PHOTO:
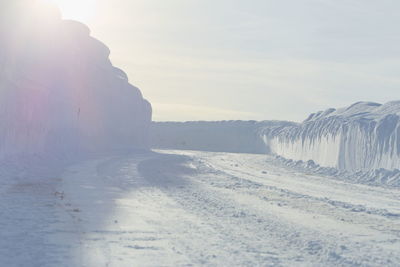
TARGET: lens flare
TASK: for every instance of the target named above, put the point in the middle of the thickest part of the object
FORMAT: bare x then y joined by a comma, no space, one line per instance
80,10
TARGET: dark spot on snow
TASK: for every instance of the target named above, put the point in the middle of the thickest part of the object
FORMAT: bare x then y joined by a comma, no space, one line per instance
141,247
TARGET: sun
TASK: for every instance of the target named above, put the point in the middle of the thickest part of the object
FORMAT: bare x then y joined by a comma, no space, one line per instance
80,10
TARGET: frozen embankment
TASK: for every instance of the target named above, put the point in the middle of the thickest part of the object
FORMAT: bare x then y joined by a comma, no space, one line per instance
359,142
362,137
59,92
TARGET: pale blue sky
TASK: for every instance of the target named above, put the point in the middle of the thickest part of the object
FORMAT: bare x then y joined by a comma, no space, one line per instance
257,59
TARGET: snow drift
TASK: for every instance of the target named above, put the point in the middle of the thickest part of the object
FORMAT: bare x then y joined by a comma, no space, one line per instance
59,92
364,136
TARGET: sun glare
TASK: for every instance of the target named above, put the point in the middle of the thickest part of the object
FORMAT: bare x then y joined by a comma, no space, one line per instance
81,10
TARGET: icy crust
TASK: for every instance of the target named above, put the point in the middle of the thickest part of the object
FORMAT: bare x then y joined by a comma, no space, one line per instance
218,136
362,137
59,92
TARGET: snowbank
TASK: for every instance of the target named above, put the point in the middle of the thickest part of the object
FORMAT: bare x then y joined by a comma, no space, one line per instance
362,137
59,92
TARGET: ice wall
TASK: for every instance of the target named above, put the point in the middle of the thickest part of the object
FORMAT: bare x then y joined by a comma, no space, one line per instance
218,136
361,137
59,92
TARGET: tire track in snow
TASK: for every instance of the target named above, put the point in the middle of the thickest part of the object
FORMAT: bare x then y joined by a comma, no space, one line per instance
332,243
192,208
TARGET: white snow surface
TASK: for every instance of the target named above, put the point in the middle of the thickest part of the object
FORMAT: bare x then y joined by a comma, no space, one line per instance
189,208
59,92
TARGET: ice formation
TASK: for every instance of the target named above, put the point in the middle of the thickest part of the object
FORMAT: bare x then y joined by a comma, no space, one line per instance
218,136
364,136
59,92
360,138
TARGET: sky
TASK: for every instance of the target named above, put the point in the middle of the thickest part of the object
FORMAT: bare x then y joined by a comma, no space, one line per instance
249,60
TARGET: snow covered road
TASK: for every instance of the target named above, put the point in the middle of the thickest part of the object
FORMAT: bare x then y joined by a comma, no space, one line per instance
190,208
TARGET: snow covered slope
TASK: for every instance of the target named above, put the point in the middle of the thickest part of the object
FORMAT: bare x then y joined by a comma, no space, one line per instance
218,136
59,92
364,136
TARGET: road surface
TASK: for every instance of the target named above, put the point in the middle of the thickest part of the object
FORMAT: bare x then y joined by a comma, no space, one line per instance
190,208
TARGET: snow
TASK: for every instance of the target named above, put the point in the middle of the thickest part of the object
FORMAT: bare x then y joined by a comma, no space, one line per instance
362,137
80,187
218,136
359,143
182,208
59,92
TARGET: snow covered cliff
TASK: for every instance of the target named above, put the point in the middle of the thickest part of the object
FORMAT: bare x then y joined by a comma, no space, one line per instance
59,92
364,136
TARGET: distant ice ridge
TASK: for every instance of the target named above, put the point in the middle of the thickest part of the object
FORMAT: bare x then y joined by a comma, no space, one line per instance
215,136
59,92
362,137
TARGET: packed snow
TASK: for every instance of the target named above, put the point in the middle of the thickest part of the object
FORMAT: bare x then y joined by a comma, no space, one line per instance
189,208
